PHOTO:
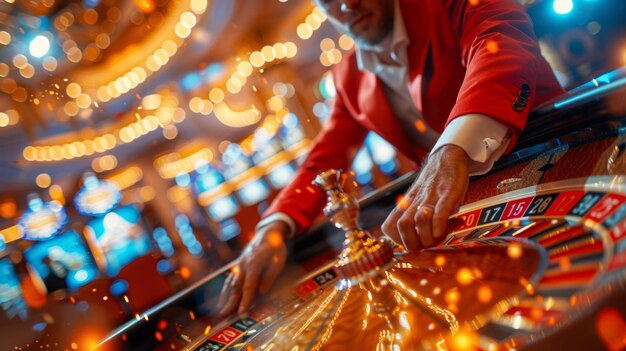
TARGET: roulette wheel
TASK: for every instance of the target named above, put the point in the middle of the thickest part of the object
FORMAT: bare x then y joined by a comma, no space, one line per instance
516,268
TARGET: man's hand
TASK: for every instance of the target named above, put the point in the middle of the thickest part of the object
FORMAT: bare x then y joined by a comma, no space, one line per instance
420,219
256,269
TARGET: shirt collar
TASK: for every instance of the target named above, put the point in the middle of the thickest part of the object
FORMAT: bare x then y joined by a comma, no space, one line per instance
368,57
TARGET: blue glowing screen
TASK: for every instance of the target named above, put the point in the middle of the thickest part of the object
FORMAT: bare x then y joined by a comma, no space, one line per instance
253,192
11,298
222,208
121,237
362,167
67,256
281,176
207,180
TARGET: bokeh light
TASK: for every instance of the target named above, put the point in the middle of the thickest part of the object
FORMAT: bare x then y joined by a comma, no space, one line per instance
43,180
563,7
39,46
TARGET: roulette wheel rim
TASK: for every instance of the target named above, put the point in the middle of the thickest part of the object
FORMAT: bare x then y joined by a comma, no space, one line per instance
595,288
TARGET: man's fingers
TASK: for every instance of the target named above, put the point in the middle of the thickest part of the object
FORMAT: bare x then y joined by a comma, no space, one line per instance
231,292
444,209
271,273
250,286
407,229
224,294
231,304
423,222
390,226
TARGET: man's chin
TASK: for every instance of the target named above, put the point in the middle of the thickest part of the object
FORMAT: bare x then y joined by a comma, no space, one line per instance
365,43
368,38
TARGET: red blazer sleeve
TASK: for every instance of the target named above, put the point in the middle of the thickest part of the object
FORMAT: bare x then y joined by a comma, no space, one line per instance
334,147
502,60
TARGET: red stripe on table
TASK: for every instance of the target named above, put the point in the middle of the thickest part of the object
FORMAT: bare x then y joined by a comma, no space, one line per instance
605,207
563,234
499,229
532,228
581,276
226,335
579,251
564,203
532,312
261,312
618,261
305,288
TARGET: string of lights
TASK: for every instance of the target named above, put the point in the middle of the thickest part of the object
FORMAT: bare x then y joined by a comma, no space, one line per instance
215,103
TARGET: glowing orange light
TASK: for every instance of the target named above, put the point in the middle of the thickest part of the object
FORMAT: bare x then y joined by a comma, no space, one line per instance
402,202
565,264
611,328
158,336
207,330
477,273
474,2
8,210
162,324
420,126
87,339
536,313
275,239
573,300
185,273
465,340
464,276
145,6
526,284
452,296
234,270
192,315
514,251
440,260
492,46
484,294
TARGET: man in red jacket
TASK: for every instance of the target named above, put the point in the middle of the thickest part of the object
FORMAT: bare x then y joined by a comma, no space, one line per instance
455,78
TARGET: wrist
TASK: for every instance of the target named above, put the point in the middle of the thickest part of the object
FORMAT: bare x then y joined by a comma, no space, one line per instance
278,216
276,227
452,153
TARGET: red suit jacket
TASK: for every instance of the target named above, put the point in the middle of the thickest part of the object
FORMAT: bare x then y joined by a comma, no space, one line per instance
463,59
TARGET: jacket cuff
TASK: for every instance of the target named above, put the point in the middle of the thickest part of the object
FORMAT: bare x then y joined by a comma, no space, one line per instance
278,216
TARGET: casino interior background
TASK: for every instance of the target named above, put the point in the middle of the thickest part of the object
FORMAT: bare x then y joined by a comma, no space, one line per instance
142,139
